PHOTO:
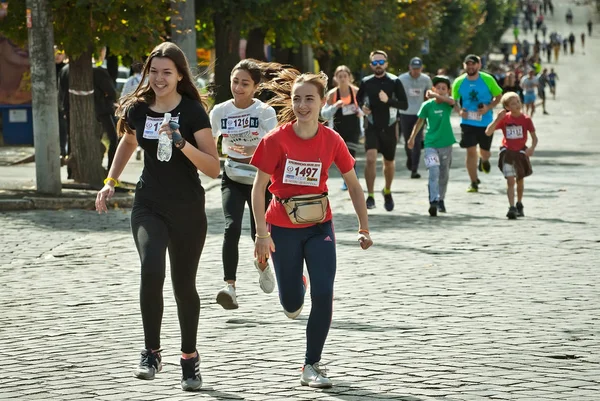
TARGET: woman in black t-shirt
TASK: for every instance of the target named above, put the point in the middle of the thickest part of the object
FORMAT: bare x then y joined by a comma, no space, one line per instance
168,211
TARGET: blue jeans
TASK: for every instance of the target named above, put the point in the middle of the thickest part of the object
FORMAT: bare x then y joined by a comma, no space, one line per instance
316,246
438,162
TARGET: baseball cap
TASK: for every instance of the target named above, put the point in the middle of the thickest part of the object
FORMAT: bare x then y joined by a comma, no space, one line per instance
440,78
473,58
416,62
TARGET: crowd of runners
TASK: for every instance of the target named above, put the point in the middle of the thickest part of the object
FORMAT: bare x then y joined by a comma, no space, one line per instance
278,157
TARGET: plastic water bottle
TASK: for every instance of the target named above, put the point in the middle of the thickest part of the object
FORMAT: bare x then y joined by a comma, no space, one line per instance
165,144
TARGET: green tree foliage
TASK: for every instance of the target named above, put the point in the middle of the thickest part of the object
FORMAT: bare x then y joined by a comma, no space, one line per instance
81,28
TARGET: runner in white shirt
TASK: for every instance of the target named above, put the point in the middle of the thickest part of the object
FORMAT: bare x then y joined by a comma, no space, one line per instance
241,122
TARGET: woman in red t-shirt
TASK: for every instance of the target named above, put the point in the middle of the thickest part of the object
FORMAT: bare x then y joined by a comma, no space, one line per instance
296,157
514,156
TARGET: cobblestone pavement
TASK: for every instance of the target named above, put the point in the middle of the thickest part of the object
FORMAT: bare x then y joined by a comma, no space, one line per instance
467,306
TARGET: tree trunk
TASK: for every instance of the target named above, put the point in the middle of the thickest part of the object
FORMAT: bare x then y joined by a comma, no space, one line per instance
45,98
256,44
183,30
227,52
87,150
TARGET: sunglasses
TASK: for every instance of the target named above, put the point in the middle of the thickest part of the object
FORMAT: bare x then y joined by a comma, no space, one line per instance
378,62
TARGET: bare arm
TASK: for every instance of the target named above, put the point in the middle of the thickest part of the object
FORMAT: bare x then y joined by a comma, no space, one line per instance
358,201
126,147
205,157
489,131
417,127
263,244
534,142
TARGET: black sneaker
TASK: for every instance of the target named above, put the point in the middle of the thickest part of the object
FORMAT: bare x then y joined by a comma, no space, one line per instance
433,209
414,174
486,167
388,202
370,202
150,365
512,213
191,380
441,207
474,187
520,210
478,181
479,166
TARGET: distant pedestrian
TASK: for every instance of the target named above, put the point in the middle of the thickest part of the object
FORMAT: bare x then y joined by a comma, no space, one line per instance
514,153
583,42
542,83
589,26
552,78
572,42
168,211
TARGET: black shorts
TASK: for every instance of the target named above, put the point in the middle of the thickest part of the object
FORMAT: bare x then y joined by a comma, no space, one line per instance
382,139
473,136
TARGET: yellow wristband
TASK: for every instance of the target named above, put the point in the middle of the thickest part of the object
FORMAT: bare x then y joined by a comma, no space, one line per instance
109,179
263,236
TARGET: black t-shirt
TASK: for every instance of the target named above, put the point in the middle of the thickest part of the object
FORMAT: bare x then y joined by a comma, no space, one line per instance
177,179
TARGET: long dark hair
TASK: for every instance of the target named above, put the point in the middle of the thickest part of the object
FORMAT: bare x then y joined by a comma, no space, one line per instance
145,94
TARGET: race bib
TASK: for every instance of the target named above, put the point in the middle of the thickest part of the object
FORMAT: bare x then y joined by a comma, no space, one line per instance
432,160
473,115
302,173
415,92
240,128
349,110
393,113
514,132
153,124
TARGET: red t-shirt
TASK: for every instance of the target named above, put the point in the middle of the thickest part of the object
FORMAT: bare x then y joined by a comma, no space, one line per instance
299,166
515,131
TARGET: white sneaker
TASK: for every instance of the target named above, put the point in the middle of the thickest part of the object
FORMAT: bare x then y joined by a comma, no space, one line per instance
266,279
315,376
226,297
293,315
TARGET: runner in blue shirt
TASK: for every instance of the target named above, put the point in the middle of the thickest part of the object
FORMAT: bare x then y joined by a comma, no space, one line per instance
478,94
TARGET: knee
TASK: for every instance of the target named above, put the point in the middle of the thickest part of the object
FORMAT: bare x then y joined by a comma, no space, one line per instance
233,229
291,302
371,158
185,293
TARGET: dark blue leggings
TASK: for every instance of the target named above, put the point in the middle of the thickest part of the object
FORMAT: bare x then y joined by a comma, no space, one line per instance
316,246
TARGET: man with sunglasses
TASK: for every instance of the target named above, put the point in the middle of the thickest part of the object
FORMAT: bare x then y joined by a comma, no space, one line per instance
381,95
478,94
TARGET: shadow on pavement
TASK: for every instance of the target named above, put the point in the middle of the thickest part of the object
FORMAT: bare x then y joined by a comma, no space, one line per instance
344,391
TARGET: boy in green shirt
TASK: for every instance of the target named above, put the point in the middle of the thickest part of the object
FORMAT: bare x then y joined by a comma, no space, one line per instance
439,139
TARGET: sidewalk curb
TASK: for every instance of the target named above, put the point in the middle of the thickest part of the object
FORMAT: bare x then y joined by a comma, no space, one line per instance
122,201
48,203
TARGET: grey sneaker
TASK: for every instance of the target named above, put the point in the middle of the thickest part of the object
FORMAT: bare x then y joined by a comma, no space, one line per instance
150,365
226,297
315,376
191,380
266,279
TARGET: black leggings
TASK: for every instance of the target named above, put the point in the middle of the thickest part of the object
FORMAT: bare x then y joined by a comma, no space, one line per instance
180,228
234,197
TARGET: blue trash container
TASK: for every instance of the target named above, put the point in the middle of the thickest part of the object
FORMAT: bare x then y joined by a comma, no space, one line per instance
17,124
